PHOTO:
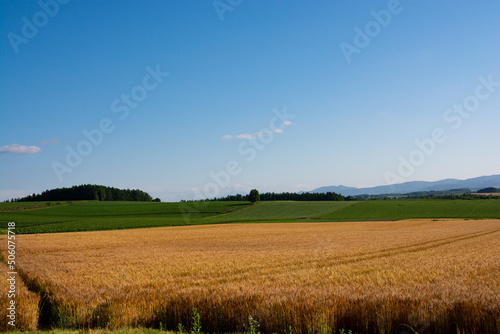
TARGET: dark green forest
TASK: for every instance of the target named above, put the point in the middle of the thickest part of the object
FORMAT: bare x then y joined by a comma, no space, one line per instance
90,192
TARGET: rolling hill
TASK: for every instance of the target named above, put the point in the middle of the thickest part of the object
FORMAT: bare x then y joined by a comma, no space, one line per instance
414,186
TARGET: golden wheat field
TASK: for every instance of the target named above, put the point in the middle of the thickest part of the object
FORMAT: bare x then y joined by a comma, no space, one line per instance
371,277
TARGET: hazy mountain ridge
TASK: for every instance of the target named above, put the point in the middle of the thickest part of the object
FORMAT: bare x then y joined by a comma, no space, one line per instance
415,186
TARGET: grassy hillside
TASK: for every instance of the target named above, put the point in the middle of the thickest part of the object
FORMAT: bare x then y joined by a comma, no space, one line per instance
94,215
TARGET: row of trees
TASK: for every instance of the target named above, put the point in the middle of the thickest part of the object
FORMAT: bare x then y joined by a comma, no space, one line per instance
254,196
489,190
464,197
428,197
88,192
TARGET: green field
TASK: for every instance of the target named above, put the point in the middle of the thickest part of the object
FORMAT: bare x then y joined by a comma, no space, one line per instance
407,209
94,215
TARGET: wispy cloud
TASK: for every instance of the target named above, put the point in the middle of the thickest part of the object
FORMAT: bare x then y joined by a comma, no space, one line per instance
19,149
259,134
50,142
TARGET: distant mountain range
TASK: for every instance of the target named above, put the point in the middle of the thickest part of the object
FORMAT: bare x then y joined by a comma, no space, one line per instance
473,184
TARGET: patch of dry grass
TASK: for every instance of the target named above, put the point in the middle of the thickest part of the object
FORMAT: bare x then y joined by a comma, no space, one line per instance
366,276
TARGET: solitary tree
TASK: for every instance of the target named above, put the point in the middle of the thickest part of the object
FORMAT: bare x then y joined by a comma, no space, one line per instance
254,196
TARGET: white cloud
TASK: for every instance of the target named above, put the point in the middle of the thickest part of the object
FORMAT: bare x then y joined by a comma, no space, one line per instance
19,149
245,136
259,134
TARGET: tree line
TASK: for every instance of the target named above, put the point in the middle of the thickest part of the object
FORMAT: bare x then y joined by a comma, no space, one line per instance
254,196
488,190
469,196
88,192
285,196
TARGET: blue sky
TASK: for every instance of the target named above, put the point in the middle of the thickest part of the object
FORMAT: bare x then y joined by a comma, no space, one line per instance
184,98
